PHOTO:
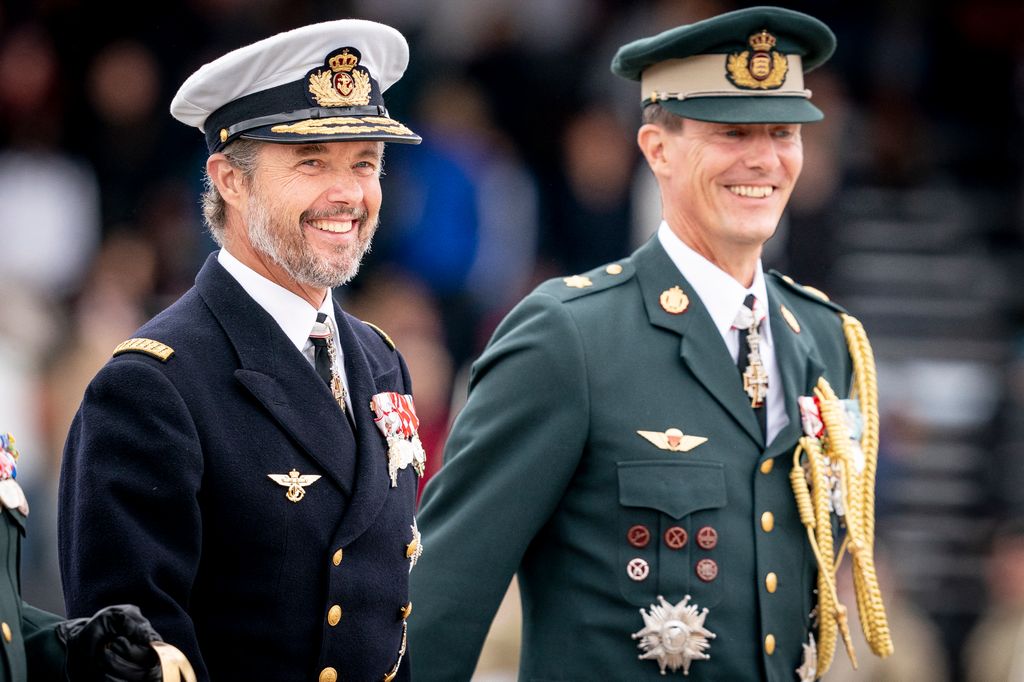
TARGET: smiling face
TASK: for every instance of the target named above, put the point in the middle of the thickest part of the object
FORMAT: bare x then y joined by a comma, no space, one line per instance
724,186
310,212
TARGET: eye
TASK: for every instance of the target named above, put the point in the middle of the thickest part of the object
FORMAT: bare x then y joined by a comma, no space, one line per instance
365,167
311,163
734,132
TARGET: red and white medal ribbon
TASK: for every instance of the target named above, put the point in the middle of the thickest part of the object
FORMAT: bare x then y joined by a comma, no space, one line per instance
395,416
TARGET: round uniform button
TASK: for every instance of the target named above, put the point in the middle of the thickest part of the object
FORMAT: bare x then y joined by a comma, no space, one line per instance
336,559
769,644
7,631
328,675
638,536
675,537
406,611
707,570
707,538
637,569
771,582
767,521
334,615
767,466
614,269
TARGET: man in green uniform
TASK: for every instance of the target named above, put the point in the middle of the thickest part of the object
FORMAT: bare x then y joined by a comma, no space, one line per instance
113,645
629,433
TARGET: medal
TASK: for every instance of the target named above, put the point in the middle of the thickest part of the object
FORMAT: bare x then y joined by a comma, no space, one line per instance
395,416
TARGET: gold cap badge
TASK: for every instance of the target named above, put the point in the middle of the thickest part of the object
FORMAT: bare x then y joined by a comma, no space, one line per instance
345,84
765,69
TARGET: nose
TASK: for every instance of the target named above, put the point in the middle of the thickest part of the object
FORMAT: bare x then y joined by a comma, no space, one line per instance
345,189
762,153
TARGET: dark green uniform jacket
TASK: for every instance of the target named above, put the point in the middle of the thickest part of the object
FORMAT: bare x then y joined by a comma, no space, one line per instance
546,475
28,639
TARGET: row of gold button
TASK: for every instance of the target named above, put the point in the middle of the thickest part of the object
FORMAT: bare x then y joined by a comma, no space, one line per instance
771,581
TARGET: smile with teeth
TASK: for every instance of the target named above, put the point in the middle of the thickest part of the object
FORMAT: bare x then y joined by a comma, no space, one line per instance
335,226
755,191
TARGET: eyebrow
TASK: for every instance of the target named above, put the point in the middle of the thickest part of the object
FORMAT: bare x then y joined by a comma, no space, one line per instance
374,150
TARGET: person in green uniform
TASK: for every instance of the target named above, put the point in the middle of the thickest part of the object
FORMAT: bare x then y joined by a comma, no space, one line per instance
38,646
628,439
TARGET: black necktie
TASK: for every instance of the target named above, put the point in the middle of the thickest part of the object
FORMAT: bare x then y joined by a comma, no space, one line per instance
321,338
751,369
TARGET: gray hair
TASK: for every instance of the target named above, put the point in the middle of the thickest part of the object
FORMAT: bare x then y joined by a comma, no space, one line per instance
660,116
243,155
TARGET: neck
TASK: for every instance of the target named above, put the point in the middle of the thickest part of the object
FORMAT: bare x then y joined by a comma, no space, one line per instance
264,265
739,261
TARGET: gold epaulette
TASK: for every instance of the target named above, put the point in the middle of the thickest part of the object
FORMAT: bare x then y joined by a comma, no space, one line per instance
380,332
160,351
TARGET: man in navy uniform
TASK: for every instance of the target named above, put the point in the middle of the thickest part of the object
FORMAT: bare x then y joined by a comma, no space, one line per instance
629,431
245,468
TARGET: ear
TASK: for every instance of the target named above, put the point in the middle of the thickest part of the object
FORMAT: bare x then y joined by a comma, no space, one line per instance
652,138
228,179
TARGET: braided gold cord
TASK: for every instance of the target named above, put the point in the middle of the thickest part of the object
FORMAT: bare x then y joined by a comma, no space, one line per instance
816,519
869,597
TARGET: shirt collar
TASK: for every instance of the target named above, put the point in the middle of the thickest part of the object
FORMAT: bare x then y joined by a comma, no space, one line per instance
294,314
718,291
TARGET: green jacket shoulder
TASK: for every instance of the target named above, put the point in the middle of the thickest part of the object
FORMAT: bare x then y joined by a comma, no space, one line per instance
599,279
806,292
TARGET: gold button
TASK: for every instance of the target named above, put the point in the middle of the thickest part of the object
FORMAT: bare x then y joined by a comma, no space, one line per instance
390,676
406,611
771,582
767,522
769,644
613,269
336,559
223,134
767,466
328,675
7,631
334,615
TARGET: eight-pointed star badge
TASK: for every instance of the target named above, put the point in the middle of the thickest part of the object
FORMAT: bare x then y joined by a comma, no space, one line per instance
674,636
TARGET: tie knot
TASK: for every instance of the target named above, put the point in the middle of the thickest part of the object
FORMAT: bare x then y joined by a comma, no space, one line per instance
749,315
321,330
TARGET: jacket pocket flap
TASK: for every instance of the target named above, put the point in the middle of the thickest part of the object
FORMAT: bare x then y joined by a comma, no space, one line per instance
675,488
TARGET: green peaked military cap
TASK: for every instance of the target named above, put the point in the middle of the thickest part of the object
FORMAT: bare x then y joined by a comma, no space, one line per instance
745,66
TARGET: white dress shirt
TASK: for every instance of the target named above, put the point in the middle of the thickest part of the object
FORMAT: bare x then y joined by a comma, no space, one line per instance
294,314
723,297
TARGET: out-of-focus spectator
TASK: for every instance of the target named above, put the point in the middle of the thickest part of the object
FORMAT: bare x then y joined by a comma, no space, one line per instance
995,648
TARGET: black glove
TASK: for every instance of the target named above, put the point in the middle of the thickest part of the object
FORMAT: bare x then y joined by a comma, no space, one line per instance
112,646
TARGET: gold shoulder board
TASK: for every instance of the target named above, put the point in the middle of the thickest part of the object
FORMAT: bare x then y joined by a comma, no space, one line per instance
156,349
383,334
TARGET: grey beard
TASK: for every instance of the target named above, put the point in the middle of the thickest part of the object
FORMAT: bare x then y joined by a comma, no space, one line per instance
291,252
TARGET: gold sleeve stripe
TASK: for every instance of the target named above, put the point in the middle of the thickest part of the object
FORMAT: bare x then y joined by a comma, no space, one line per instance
156,349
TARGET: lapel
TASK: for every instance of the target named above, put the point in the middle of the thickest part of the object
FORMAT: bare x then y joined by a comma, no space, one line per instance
798,364
372,482
277,374
702,349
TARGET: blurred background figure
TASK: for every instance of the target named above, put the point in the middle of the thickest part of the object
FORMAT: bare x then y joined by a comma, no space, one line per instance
994,650
910,210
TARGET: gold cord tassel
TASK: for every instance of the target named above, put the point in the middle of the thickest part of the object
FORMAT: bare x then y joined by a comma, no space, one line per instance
857,472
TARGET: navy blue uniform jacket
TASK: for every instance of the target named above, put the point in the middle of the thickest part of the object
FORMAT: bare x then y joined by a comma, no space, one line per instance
165,499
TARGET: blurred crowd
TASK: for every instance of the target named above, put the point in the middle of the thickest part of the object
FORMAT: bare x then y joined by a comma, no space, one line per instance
528,170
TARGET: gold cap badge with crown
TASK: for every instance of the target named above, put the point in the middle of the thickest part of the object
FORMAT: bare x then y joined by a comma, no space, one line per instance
345,85
765,69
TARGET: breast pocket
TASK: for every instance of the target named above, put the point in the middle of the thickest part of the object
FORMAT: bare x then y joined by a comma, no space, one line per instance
665,512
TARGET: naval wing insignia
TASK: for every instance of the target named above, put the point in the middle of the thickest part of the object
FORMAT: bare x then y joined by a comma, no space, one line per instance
295,483
673,439
674,636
